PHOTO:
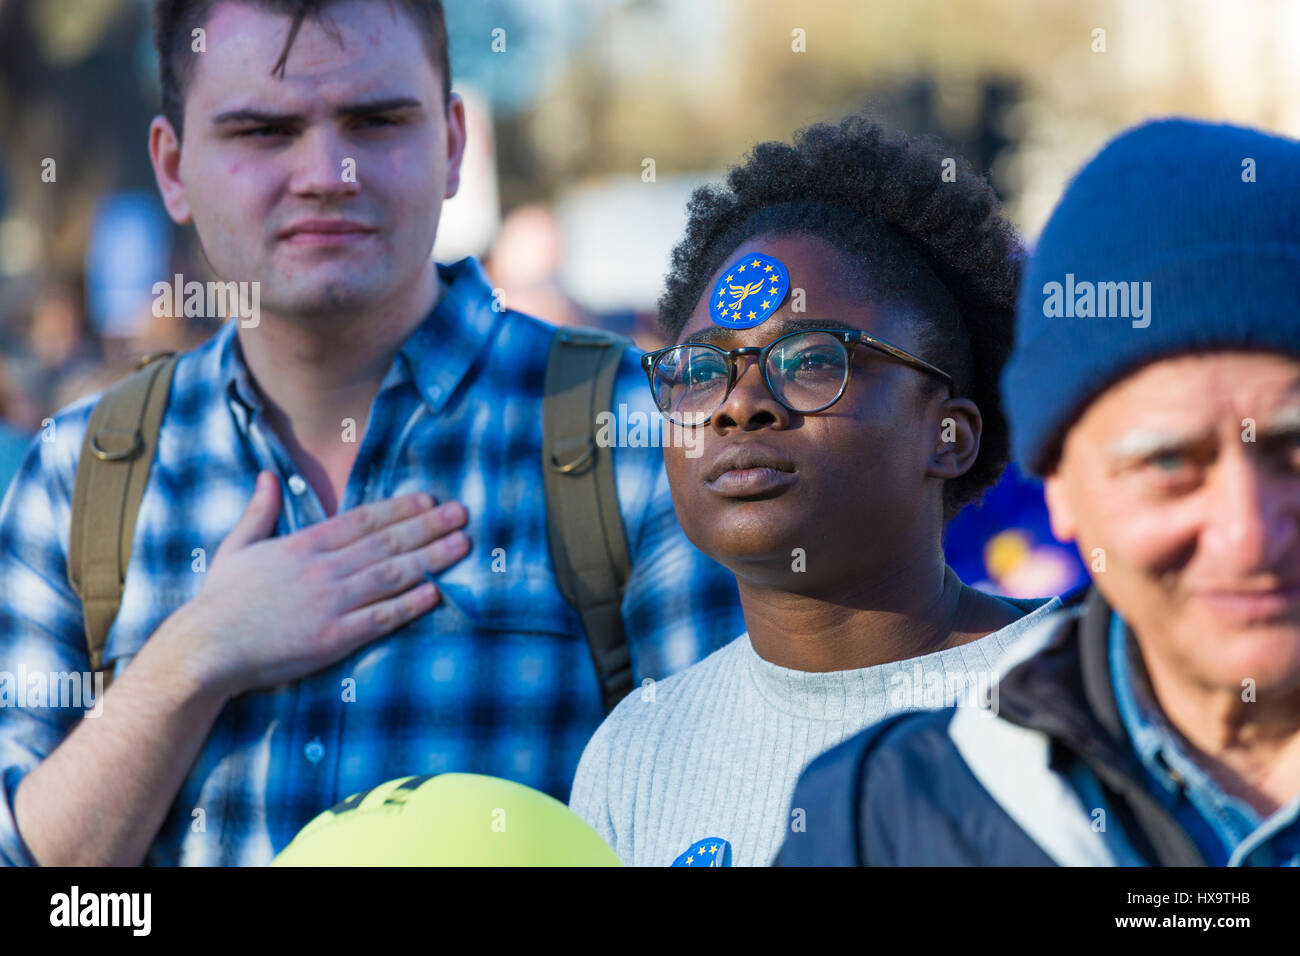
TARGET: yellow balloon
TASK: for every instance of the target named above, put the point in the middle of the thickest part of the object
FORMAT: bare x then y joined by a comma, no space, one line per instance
448,819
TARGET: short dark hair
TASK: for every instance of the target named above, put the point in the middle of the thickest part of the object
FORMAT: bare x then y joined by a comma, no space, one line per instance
881,199
176,20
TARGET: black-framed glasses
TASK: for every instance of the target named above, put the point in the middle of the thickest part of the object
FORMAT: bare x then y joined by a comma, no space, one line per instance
806,371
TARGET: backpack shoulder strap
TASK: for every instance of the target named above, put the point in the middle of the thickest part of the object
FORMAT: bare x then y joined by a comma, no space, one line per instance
584,525
116,456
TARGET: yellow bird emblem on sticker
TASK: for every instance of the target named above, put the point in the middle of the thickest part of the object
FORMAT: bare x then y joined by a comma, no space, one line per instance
743,292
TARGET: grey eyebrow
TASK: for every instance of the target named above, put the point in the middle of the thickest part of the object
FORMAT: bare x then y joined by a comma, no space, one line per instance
1141,444
1147,443
1285,421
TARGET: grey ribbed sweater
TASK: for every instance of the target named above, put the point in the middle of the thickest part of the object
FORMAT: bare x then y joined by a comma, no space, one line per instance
714,752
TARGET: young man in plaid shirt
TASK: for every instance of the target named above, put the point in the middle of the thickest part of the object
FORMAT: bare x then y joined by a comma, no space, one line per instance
316,657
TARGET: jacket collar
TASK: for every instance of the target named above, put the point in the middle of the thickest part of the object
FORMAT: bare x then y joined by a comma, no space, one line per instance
1062,689
435,358
1065,691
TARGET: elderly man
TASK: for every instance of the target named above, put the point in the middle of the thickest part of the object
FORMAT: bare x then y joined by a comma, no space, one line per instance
1155,385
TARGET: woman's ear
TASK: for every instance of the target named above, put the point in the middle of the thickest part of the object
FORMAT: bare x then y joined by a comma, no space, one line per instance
956,424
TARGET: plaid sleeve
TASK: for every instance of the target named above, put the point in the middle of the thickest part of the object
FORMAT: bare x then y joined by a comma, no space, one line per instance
679,606
42,641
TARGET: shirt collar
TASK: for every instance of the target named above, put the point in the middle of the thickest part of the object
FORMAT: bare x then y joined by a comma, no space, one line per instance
445,347
434,358
1161,748
1141,718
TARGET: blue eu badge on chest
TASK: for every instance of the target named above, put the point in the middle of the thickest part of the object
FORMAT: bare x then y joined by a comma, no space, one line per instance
710,852
749,291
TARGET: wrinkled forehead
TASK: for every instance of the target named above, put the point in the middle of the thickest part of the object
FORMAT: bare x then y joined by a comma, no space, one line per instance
356,50
1192,397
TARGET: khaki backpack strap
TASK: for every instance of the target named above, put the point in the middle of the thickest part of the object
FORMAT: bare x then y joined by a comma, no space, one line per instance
116,456
584,525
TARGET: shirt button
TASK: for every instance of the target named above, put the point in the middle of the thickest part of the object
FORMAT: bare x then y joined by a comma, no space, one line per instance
296,484
314,751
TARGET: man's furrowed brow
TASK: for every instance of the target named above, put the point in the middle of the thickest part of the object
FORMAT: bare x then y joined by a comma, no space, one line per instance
251,114
388,104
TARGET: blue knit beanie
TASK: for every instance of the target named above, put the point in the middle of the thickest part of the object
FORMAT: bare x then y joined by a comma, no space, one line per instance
1179,236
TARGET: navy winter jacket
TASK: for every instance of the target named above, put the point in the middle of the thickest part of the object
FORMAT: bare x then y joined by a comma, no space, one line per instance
967,787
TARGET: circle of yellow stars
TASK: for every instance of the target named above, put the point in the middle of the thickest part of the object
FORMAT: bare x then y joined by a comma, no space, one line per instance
776,287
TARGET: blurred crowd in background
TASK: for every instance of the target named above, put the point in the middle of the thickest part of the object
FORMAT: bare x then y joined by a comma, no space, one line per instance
590,122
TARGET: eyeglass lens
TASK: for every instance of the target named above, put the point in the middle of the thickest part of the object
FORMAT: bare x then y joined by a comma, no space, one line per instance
806,372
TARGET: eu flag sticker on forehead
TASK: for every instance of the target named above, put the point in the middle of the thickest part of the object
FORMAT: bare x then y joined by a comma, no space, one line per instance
749,291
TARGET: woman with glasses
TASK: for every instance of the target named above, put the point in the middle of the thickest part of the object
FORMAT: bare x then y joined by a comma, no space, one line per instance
839,315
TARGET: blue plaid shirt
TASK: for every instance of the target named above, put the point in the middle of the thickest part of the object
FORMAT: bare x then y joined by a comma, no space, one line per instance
497,679
1227,831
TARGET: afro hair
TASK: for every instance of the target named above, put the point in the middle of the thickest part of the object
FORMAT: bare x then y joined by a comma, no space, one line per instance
936,243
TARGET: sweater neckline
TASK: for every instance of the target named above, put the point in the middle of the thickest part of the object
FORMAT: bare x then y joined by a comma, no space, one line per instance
839,695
